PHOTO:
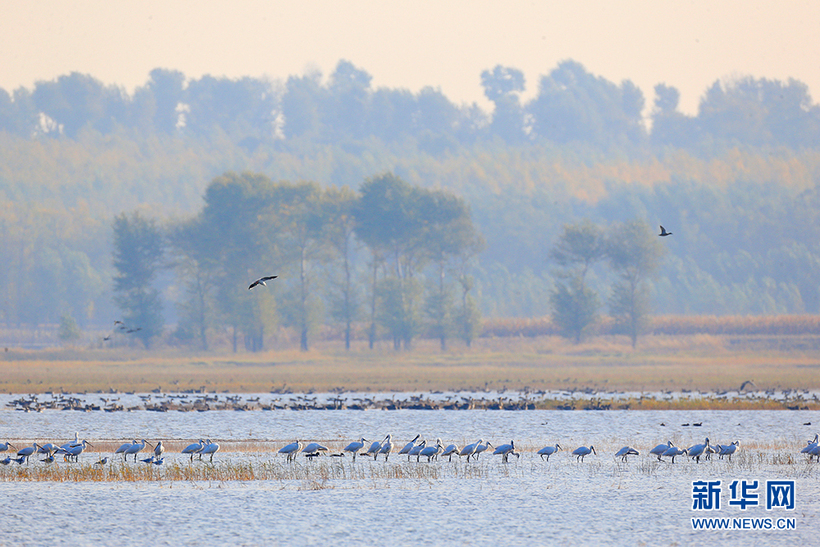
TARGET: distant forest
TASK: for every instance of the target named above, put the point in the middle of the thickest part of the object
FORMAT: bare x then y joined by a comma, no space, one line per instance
737,183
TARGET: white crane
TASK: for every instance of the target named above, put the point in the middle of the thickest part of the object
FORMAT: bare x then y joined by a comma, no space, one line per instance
354,447
290,450
582,451
505,450
125,446
26,452
449,451
210,448
660,449
409,446
135,449
469,450
548,451
73,452
481,448
387,446
159,449
431,451
727,449
626,451
193,448
374,449
673,451
697,450
416,450
5,446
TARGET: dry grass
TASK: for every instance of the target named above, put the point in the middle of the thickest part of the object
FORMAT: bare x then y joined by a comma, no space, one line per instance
606,363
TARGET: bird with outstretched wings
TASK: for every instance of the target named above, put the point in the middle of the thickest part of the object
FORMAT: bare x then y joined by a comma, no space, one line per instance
261,281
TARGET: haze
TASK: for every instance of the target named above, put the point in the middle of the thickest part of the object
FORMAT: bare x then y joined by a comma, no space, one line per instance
688,45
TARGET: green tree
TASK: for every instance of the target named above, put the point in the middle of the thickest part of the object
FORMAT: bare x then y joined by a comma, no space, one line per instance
574,305
138,256
468,317
338,206
69,329
634,252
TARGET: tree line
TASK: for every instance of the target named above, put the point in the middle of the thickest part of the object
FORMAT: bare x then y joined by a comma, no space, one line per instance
571,106
393,255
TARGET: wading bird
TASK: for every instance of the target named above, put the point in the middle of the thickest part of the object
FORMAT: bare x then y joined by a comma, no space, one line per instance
727,449
416,450
354,447
481,448
548,451
193,449
449,451
469,450
697,450
660,449
387,446
210,448
374,449
409,446
261,281
431,451
291,450
626,451
125,446
26,452
135,448
159,449
5,446
582,451
505,450
673,451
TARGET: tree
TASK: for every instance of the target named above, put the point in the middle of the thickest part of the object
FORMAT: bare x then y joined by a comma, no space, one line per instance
502,87
574,304
138,256
574,307
338,206
634,252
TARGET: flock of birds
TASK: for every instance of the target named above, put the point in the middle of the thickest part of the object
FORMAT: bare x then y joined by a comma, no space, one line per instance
420,449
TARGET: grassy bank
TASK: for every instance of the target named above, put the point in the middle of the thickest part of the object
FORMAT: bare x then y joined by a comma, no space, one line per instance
661,362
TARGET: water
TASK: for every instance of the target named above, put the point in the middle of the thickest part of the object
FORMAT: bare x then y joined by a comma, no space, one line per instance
525,502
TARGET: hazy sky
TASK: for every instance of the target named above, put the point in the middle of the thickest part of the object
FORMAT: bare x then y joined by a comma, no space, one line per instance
445,44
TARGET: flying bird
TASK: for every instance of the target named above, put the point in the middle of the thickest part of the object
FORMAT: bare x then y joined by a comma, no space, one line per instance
664,233
261,281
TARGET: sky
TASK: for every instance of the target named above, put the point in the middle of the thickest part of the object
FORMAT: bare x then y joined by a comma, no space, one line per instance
412,44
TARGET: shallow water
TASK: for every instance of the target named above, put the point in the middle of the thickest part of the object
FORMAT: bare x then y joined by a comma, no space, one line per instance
527,501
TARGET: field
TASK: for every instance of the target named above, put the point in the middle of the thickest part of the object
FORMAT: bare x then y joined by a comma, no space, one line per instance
703,362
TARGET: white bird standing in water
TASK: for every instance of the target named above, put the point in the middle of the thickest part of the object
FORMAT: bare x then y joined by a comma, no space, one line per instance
416,450
291,450
409,446
548,451
387,446
210,448
449,451
697,450
505,450
626,451
136,448
481,448
727,449
354,447
582,451
660,449
673,451
431,451
193,448
469,450
159,449
5,446
374,449
24,453
125,446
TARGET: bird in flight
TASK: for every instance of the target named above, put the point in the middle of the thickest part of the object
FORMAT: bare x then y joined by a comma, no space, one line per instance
261,281
664,232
